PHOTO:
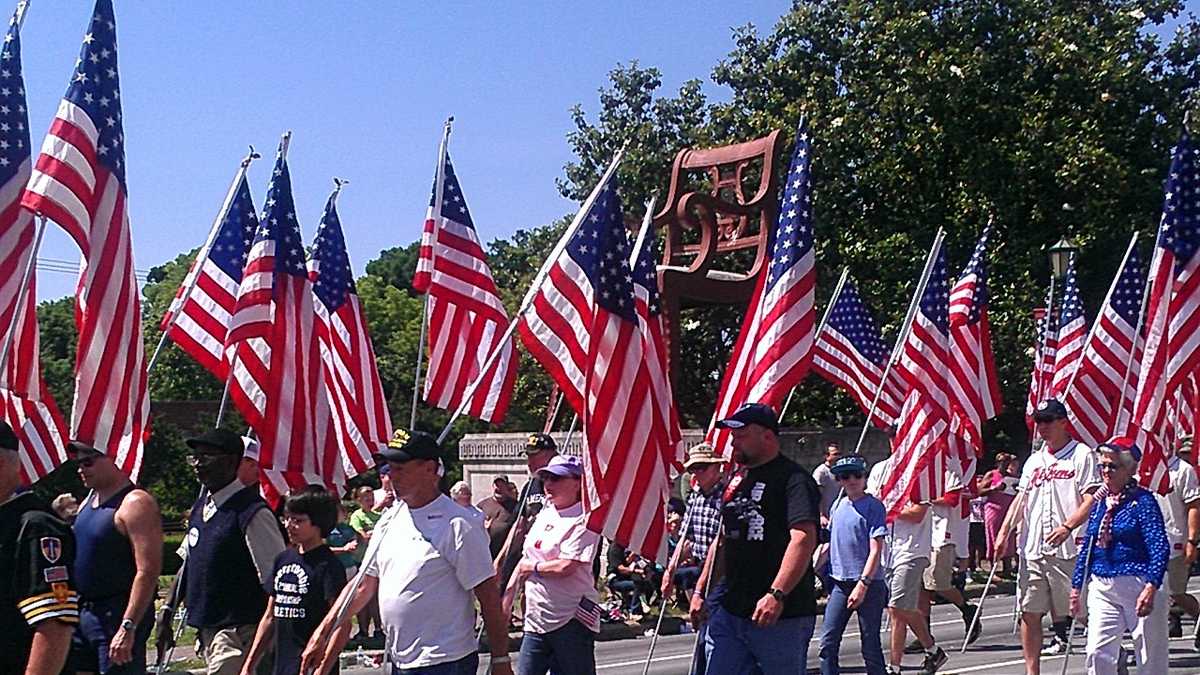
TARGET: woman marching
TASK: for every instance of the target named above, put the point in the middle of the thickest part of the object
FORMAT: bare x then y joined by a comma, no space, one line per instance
1126,557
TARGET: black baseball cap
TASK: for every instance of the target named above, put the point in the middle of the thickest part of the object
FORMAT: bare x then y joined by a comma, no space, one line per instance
77,448
1050,410
417,445
8,438
752,413
224,441
539,442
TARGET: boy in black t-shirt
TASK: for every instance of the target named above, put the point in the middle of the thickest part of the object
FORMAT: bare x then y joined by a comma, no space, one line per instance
307,580
770,516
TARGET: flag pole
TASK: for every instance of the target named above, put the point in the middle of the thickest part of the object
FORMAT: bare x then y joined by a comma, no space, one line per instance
10,334
230,195
837,292
644,230
19,16
543,272
903,336
439,180
1037,364
1137,335
1107,297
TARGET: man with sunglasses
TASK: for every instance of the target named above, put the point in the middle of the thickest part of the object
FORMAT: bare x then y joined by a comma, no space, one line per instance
118,557
857,526
232,541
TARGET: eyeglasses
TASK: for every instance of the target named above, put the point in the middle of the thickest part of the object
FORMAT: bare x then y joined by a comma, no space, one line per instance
1108,466
849,476
197,458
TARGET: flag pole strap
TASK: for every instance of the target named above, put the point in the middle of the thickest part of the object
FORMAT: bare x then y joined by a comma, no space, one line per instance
903,336
439,186
543,272
837,293
10,335
205,249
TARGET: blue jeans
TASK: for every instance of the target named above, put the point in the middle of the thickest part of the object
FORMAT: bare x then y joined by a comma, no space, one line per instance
98,623
735,645
629,592
467,665
870,616
569,650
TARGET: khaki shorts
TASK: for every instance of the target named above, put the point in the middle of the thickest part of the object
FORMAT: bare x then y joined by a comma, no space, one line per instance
225,649
905,586
1177,575
1048,586
938,576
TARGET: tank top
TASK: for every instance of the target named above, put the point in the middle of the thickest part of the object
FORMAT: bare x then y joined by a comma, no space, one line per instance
104,564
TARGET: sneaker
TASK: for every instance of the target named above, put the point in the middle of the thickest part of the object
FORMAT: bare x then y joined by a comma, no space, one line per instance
1058,647
892,670
1196,638
1176,629
934,660
914,647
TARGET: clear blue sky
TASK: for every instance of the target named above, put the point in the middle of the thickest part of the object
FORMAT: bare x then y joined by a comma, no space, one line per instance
365,87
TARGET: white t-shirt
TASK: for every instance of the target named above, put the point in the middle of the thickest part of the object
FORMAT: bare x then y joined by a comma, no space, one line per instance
1185,488
945,520
551,602
1054,484
874,487
429,561
911,540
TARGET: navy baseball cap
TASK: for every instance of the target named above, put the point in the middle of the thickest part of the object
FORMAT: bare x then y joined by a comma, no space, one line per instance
79,448
227,442
539,442
1050,410
851,464
752,413
1122,444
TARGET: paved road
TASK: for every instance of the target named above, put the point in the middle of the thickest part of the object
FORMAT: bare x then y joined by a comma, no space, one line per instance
998,650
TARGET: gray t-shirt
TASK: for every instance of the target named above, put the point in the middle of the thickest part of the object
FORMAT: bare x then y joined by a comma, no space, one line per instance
828,484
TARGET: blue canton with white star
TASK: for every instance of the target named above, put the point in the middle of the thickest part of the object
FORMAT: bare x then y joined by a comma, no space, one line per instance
601,249
852,319
232,243
14,118
645,272
1126,298
793,237
1071,305
95,87
977,265
1180,230
935,301
454,205
335,282
279,222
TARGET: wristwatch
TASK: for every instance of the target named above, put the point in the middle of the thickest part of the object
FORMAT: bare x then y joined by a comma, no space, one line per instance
865,581
128,625
776,593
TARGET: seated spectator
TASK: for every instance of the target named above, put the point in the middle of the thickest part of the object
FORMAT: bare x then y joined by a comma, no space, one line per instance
632,578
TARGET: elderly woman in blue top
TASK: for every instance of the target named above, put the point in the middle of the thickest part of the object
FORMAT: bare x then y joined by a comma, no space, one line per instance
1126,557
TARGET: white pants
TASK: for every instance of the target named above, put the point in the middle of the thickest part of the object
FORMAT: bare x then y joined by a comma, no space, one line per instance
1112,610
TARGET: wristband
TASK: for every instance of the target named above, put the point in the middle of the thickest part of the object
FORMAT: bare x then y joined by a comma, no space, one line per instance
501,659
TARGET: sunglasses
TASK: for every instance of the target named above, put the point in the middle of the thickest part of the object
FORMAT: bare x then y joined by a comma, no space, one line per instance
849,476
86,462
1108,466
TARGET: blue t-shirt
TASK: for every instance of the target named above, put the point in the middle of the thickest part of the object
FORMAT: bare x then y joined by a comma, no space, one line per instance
852,526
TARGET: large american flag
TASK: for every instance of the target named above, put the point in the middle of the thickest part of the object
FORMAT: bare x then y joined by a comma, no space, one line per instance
465,314
26,404
774,348
277,380
916,468
583,324
360,414
974,385
850,353
78,182
1173,316
198,323
1044,344
1072,332
654,344
1104,384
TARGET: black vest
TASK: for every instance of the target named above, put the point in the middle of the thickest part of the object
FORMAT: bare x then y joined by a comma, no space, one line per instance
223,587
104,564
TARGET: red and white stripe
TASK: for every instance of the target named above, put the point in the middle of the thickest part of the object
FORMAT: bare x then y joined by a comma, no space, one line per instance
974,384
1045,342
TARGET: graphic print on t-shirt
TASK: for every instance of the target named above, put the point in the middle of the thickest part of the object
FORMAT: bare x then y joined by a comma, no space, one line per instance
291,585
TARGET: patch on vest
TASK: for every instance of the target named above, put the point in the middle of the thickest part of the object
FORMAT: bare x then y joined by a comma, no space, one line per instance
193,537
58,573
51,549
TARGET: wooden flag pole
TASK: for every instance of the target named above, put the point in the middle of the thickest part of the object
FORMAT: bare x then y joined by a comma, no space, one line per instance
837,292
230,195
439,186
543,272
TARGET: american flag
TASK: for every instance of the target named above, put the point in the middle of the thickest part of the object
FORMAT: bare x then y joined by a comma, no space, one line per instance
916,468
1104,384
974,385
774,348
584,321
277,381
466,316
27,405
654,344
1173,316
1072,332
360,415
199,322
1045,342
78,182
850,353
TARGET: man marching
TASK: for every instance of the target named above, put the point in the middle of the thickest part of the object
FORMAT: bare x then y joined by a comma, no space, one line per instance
1057,480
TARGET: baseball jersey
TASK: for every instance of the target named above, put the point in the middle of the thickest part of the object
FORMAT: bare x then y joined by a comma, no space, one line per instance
1054,484
1185,489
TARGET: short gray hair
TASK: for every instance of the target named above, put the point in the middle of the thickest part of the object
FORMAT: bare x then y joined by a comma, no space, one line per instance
1124,457
459,488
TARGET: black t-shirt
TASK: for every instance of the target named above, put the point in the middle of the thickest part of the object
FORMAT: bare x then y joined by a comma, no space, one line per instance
37,554
769,501
534,494
304,586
